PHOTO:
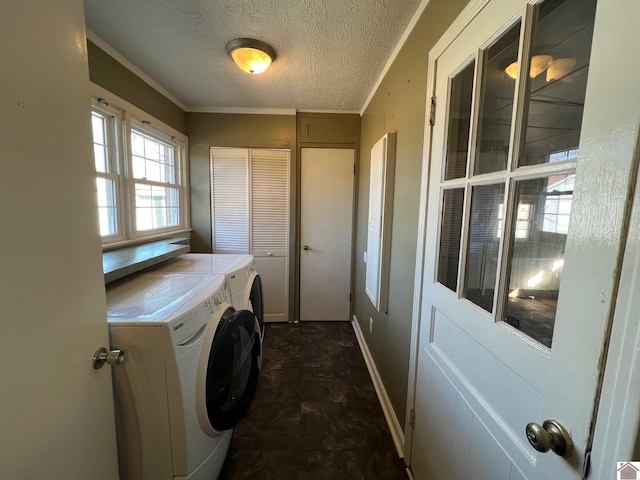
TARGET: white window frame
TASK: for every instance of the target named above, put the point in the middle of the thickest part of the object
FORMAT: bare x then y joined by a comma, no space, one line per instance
129,116
114,142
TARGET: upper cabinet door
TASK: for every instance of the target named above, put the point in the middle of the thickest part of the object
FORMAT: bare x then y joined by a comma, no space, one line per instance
328,129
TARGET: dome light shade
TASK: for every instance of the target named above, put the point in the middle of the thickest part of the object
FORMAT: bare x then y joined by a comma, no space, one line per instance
559,68
252,56
539,64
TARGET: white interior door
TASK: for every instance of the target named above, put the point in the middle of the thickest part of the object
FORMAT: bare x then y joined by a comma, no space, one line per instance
56,411
325,233
516,299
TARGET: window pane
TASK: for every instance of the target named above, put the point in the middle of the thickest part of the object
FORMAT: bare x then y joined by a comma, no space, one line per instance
173,217
450,230
482,252
151,149
107,206
168,174
153,171
496,106
107,218
139,167
156,207
557,203
536,266
143,195
166,154
459,123
137,144
152,159
98,127
556,89
144,219
100,156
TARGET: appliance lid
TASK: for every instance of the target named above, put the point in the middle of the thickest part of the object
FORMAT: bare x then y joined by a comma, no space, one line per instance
156,298
206,263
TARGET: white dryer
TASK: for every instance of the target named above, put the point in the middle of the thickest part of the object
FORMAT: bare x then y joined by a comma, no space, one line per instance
189,375
244,281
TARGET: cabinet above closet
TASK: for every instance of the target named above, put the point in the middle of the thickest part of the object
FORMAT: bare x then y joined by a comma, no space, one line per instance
328,128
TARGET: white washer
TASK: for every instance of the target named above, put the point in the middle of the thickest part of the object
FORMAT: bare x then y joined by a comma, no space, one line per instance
244,281
189,375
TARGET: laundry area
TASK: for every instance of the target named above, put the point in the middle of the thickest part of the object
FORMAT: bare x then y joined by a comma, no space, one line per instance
320,240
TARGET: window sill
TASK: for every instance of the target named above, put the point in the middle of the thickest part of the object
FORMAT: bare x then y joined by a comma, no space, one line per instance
125,261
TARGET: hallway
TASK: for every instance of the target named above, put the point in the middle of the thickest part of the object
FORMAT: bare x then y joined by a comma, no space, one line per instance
316,414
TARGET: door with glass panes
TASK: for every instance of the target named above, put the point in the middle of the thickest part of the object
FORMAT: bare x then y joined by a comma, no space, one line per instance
524,226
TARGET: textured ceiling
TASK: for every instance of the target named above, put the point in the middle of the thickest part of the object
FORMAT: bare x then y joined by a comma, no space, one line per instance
330,53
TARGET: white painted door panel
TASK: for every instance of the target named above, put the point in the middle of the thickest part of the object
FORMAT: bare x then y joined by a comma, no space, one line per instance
56,411
326,226
275,287
479,381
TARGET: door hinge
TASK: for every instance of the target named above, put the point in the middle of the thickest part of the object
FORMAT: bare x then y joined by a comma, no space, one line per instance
432,112
349,298
412,417
354,168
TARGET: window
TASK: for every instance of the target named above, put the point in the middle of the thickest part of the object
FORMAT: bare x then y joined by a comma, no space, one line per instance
523,221
157,204
557,204
140,173
503,169
104,123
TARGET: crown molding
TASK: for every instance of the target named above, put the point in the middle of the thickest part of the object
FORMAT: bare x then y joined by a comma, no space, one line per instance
243,110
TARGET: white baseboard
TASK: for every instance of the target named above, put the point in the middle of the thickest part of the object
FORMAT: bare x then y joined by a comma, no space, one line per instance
389,414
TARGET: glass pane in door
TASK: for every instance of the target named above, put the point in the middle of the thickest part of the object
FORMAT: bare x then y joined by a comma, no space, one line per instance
535,262
450,229
459,123
487,204
558,79
496,106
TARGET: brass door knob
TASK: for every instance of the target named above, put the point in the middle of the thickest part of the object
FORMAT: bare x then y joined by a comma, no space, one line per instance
550,436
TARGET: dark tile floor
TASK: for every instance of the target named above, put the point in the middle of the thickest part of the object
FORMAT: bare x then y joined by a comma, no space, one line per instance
316,414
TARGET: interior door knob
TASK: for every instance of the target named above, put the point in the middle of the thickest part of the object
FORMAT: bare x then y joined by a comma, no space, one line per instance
102,356
550,436
306,247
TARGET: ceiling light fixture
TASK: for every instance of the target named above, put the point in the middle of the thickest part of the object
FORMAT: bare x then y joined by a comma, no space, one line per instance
559,68
539,64
252,56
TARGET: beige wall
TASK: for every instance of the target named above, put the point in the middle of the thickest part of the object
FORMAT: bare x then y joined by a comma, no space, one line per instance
115,77
229,130
398,106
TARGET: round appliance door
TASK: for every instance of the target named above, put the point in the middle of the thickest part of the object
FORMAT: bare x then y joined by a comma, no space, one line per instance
255,301
232,372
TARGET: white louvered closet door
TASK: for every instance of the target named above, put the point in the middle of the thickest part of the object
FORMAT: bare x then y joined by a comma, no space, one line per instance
250,209
270,227
230,200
